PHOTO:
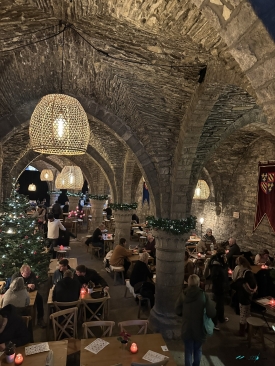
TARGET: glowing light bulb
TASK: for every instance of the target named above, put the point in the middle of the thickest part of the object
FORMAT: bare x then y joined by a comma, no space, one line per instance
59,127
46,175
198,192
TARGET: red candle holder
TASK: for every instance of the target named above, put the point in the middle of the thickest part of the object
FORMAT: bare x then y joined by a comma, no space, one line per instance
272,302
133,348
199,255
18,359
61,247
230,271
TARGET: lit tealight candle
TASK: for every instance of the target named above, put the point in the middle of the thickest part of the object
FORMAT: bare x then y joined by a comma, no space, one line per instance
18,359
61,247
199,254
272,302
133,348
263,267
229,271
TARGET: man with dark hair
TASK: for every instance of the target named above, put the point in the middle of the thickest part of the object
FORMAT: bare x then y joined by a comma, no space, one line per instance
59,273
234,249
84,275
67,289
53,232
57,210
120,256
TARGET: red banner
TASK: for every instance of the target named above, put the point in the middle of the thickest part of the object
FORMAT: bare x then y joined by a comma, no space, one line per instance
266,195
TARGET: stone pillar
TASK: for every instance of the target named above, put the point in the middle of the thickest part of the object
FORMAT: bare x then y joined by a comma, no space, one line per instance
96,212
73,203
53,198
122,224
169,279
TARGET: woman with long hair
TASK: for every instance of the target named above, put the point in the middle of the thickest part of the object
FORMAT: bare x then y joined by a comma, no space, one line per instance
17,294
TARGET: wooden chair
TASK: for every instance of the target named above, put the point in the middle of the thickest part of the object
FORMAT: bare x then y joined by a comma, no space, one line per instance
142,324
159,363
99,308
63,322
106,327
140,299
116,270
65,305
256,325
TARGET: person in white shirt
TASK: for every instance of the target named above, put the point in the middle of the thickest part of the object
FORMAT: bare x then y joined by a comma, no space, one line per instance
53,232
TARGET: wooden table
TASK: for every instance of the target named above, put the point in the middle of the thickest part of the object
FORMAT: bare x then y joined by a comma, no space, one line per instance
108,242
54,265
59,349
135,257
255,269
113,353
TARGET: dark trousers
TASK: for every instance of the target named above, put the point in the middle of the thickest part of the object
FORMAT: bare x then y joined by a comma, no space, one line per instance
219,298
126,266
39,306
51,244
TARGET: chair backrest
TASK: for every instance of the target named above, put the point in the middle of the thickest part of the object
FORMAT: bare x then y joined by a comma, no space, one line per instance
65,323
142,324
91,313
159,363
106,327
65,305
26,320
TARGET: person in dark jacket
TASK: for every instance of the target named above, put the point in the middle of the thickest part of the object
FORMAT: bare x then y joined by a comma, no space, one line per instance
63,267
109,212
246,287
12,328
96,238
190,306
67,289
84,275
31,284
65,208
220,285
57,210
234,249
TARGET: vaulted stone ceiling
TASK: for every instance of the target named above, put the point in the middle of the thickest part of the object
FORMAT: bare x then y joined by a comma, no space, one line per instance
136,64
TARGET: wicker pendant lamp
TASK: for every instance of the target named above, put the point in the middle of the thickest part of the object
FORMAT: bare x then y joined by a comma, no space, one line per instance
32,187
59,182
73,178
46,175
59,125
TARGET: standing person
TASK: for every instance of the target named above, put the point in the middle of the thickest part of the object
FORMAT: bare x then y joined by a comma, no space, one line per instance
53,232
109,212
96,238
190,306
120,256
57,210
234,249
246,287
219,276
66,207
206,241
30,282
67,289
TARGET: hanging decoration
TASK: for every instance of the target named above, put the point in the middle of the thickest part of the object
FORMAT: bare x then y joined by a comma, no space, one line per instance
59,182
59,125
176,227
46,175
123,206
72,177
202,190
32,187
99,197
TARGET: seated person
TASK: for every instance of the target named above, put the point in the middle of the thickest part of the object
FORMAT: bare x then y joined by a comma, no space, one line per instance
205,242
262,258
150,245
67,289
85,275
135,218
59,273
120,256
188,266
96,238
109,212
12,328
141,278
30,281
16,295
234,249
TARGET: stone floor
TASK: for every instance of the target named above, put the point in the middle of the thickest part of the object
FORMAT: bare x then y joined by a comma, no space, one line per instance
220,350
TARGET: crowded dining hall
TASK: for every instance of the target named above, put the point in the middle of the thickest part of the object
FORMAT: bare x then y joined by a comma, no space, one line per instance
137,182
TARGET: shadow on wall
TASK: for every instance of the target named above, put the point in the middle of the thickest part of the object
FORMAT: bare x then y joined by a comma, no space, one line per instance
265,10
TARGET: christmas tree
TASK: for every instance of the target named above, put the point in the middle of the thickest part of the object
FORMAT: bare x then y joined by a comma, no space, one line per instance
20,241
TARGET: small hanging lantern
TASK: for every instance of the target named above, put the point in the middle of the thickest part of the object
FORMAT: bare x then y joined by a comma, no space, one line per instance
32,187
73,177
59,125
46,175
59,182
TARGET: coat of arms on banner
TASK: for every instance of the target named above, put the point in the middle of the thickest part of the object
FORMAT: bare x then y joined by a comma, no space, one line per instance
267,182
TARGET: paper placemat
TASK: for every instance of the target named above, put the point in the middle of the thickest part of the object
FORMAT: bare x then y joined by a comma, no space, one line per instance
97,345
37,348
152,356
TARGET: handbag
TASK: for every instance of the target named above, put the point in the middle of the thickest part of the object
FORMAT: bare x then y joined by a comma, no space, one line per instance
208,324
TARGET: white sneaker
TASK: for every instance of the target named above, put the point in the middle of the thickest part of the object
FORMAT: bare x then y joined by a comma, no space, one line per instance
216,328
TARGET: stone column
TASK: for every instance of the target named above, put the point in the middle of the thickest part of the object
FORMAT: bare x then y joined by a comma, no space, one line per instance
96,212
53,198
169,279
73,203
122,224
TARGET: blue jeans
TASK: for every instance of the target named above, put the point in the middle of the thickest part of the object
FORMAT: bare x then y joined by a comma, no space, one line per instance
192,350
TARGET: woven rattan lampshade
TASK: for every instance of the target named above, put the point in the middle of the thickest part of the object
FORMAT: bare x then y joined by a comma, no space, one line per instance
46,175
32,187
59,125
73,178
59,182
202,190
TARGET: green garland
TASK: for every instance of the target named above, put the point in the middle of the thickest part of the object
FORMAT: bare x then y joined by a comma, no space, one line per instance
70,194
176,227
123,206
54,192
99,197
